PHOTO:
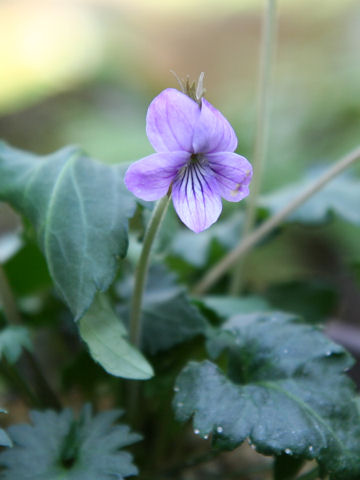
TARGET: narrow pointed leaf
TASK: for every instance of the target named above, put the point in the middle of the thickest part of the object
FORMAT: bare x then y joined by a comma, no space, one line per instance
107,340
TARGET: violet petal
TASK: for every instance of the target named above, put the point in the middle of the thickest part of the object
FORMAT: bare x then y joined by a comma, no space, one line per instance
150,177
170,121
213,133
195,197
233,174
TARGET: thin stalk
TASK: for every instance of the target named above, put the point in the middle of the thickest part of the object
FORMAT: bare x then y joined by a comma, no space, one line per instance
143,266
251,240
262,127
46,395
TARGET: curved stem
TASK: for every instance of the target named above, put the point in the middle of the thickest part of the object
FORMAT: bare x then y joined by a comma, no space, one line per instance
143,266
251,240
262,127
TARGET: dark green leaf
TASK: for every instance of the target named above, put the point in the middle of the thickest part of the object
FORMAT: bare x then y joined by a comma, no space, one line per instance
58,447
13,340
341,197
106,337
285,390
168,316
79,209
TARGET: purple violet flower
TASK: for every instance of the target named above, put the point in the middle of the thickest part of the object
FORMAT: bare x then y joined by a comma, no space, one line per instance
195,157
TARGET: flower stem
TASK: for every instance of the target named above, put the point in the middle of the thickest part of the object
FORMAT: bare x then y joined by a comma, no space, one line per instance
45,394
143,266
253,238
262,127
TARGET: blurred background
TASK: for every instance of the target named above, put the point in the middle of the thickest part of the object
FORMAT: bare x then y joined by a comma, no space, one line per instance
83,72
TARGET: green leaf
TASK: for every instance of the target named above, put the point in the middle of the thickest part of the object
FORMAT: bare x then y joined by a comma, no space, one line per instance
13,340
168,316
106,338
5,440
340,197
79,208
58,447
285,390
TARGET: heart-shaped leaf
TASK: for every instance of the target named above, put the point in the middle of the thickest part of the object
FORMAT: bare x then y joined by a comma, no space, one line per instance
79,208
284,389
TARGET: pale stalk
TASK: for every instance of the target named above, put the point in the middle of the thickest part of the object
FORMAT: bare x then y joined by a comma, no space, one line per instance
262,128
252,239
143,266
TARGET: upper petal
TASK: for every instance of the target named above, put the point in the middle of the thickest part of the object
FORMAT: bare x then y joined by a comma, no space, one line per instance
213,133
195,198
233,174
151,177
170,121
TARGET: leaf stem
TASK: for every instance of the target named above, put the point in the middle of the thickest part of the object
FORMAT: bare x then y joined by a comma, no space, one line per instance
262,127
143,266
261,232
44,391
